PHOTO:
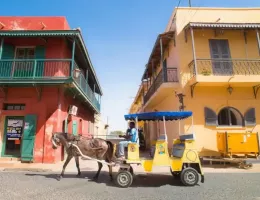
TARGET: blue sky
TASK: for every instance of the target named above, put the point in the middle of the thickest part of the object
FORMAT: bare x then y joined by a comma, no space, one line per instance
119,34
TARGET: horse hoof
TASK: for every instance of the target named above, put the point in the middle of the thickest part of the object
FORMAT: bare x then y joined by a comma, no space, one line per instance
59,178
78,175
95,178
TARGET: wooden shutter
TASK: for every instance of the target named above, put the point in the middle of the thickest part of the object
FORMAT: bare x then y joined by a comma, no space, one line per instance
164,68
75,127
219,49
6,67
210,117
40,54
250,119
28,140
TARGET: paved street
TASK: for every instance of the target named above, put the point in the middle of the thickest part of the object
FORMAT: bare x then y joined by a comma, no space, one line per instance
20,185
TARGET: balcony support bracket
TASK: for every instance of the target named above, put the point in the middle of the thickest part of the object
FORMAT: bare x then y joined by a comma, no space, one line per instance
255,89
4,90
192,88
38,91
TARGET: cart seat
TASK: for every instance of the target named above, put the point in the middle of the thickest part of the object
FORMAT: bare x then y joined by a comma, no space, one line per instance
133,151
185,137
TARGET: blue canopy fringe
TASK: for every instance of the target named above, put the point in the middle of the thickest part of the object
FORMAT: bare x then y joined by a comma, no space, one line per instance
152,116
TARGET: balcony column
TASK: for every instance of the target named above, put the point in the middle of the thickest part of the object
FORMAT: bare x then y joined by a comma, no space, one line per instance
1,47
163,70
73,55
153,70
193,51
87,75
153,74
147,80
86,80
258,40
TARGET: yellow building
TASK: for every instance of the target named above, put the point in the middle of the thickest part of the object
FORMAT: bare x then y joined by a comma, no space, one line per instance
207,61
137,104
138,101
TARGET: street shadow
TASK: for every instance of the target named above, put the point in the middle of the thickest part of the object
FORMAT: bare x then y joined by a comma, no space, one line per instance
140,180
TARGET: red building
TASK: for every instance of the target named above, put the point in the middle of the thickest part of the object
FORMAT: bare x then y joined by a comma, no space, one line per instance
45,73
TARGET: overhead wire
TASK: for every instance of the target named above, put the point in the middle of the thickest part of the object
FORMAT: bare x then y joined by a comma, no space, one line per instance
196,10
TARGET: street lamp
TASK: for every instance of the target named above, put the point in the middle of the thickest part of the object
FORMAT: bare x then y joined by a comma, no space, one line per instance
230,89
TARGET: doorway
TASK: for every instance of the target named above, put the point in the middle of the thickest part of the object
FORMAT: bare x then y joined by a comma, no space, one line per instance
13,131
24,68
220,57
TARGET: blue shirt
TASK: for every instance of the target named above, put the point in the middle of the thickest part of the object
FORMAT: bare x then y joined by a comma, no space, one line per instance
134,135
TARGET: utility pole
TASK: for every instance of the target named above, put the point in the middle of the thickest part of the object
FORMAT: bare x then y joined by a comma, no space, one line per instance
189,3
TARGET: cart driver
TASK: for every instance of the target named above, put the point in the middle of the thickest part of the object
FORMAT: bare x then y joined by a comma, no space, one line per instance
130,137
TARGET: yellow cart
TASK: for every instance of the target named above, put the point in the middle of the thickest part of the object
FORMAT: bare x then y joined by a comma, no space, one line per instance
183,161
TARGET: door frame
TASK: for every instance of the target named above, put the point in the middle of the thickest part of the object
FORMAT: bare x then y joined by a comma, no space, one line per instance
15,55
5,133
221,63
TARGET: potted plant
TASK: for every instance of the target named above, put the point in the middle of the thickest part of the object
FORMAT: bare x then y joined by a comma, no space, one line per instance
205,72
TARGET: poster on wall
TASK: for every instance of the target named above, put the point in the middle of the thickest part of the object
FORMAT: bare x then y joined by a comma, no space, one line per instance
14,129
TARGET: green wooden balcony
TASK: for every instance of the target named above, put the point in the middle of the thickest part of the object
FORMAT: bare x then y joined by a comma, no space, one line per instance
46,71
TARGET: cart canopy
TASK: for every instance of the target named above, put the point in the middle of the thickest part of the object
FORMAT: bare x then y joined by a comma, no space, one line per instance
153,116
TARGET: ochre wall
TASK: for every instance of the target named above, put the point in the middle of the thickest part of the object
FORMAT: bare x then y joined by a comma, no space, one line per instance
213,97
217,98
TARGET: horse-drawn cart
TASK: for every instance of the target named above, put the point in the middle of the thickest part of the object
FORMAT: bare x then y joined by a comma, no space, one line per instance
183,161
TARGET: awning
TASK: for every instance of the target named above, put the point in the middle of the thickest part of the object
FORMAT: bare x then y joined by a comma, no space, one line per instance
152,116
155,56
55,33
223,25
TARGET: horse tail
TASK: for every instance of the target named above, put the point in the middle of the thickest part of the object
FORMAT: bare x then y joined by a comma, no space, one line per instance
110,153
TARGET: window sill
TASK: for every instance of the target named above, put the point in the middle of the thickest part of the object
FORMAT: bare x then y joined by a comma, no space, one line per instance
231,128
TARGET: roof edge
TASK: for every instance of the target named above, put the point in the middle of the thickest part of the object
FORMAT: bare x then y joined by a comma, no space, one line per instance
217,8
156,41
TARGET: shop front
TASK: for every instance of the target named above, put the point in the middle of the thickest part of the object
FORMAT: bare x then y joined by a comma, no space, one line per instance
13,131
19,137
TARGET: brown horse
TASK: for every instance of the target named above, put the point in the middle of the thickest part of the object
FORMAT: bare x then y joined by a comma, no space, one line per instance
95,148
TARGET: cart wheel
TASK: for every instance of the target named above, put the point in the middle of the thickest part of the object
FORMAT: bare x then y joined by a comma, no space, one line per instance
175,174
189,176
124,179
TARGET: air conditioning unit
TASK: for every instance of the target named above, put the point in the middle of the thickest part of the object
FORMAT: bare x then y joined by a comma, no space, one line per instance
73,110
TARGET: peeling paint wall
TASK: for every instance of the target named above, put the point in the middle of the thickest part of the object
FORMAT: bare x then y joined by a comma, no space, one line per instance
34,23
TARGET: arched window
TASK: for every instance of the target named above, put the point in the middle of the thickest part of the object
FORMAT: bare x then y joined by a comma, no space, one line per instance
229,116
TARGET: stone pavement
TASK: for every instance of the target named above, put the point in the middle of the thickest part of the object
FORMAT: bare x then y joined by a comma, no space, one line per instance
87,165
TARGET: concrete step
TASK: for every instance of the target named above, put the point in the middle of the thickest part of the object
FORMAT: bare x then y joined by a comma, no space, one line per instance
4,159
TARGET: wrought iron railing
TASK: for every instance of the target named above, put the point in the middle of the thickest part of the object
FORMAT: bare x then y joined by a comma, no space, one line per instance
225,67
34,68
171,75
84,86
45,69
